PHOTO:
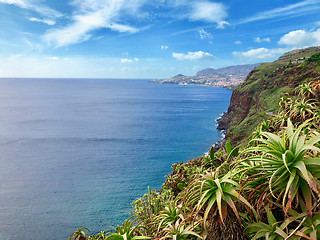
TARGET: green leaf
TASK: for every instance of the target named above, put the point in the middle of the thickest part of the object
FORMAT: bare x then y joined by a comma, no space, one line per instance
307,195
304,173
211,153
234,152
228,147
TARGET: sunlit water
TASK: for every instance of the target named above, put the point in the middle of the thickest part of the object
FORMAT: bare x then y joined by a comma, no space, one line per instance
78,152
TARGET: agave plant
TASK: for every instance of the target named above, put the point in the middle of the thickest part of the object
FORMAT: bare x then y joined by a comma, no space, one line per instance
305,90
316,86
285,101
215,191
271,230
99,236
311,226
180,231
262,127
126,231
302,109
170,214
80,234
284,163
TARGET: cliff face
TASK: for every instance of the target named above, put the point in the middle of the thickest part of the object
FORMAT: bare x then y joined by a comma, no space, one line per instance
257,97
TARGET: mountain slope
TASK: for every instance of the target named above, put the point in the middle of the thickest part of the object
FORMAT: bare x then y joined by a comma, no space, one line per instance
257,97
238,69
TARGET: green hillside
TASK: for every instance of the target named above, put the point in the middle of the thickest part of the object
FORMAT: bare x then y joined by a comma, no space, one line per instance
257,98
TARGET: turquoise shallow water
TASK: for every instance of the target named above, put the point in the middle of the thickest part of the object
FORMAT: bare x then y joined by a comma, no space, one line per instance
77,152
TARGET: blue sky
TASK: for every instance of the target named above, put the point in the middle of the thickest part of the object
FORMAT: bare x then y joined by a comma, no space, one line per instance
148,38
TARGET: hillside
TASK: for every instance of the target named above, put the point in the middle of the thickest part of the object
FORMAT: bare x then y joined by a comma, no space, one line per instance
228,77
257,97
238,69
265,188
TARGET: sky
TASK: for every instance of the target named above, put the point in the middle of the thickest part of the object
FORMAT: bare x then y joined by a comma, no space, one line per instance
148,38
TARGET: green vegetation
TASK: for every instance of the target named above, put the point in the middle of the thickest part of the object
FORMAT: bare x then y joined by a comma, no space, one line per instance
314,58
267,188
256,99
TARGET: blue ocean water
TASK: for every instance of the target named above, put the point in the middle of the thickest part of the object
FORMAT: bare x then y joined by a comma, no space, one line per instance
77,152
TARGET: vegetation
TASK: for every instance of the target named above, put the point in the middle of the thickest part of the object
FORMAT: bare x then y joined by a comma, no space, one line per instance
256,98
269,188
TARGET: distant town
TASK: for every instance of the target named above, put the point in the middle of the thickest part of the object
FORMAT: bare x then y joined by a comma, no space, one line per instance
228,77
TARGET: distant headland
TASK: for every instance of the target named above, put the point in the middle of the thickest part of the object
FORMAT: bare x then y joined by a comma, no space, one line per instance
228,77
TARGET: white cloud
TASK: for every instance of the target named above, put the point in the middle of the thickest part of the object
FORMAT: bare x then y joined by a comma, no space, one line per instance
238,42
122,28
128,60
200,55
19,3
92,15
164,47
72,34
291,10
46,21
301,38
260,40
209,12
293,39
221,24
54,58
35,6
261,54
204,34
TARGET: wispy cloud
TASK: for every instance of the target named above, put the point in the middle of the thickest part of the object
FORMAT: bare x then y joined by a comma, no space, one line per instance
128,60
260,40
191,56
291,10
46,21
164,47
122,28
238,42
89,16
35,6
204,34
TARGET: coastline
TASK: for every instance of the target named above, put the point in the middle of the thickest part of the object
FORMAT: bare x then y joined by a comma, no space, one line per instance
229,87
217,145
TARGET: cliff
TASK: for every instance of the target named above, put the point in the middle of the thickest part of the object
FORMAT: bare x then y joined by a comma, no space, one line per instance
257,97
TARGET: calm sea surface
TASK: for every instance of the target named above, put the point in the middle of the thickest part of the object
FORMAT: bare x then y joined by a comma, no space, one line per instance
77,152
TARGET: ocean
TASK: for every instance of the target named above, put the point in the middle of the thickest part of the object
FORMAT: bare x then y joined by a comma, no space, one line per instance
77,152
